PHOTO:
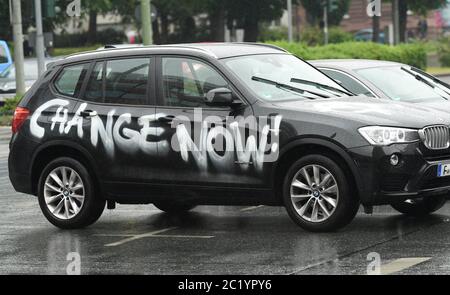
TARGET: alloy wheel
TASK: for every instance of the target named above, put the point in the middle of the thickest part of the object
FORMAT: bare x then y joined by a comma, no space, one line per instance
64,192
314,193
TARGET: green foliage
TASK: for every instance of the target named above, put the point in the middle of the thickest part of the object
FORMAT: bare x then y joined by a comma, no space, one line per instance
108,36
273,34
314,9
444,51
422,7
72,50
315,36
10,105
411,54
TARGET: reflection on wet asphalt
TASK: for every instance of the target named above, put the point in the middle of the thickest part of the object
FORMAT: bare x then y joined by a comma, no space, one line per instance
213,240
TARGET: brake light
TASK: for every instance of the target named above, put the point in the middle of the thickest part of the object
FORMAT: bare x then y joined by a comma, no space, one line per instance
20,115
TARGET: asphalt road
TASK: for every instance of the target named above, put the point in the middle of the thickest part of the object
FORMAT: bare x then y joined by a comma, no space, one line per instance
215,240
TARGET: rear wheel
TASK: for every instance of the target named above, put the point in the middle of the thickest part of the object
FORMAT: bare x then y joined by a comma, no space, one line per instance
317,194
421,206
67,196
174,207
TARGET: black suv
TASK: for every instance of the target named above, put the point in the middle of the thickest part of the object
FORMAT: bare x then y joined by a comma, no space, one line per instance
220,124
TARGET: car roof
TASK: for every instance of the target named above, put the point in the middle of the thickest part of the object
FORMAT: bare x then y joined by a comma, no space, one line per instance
352,64
212,50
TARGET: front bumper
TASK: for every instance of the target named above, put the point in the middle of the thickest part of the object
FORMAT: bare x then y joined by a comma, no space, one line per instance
414,177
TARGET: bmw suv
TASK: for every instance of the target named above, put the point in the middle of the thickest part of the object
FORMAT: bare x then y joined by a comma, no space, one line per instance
220,124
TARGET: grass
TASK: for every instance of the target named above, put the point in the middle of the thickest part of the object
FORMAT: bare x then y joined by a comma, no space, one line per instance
71,50
5,120
439,70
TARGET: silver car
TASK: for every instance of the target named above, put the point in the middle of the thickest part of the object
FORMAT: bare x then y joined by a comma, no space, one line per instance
8,77
387,80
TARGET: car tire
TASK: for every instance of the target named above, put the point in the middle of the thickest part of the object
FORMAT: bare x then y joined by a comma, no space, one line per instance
302,196
67,195
421,206
174,207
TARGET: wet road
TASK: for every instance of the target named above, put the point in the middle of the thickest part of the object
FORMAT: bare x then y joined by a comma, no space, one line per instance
215,240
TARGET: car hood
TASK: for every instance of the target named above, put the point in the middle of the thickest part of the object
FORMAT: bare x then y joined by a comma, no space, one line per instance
371,111
437,104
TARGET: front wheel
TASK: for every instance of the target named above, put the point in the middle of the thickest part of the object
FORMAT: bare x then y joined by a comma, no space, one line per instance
421,206
317,194
67,196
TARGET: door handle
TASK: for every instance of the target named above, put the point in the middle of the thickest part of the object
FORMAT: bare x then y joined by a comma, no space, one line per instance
88,114
166,119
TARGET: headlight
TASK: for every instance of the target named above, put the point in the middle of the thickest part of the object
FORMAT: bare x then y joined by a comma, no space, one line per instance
378,135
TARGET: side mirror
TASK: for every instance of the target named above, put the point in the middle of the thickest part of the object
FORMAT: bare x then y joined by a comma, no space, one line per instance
219,96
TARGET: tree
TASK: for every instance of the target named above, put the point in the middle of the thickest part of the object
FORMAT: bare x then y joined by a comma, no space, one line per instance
217,16
418,6
248,14
314,9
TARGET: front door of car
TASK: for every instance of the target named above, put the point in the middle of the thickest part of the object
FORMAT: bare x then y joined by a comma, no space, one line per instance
201,139
117,119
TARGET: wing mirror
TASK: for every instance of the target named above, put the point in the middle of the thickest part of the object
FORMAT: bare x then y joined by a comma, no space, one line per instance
220,97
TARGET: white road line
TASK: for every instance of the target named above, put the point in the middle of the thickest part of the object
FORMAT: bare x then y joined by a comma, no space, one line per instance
251,208
136,237
153,234
401,264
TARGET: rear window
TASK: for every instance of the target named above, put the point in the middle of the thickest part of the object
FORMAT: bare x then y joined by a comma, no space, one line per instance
126,81
120,81
70,79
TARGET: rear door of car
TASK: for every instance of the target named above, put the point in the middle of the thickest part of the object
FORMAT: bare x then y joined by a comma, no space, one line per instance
117,113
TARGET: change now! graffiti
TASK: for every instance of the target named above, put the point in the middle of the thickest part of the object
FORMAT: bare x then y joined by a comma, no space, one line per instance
220,142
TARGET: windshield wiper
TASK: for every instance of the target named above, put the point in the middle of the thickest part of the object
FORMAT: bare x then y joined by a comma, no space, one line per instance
418,77
289,87
425,81
432,78
319,85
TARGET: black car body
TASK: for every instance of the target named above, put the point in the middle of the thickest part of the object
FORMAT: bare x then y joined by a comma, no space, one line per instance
123,145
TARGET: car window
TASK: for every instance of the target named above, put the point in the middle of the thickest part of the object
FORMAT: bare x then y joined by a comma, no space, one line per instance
276,67
348,82
94,89
397,84
186,81
3,55
70,79
126,81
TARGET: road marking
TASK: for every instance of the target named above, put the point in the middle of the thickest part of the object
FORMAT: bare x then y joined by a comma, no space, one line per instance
153,234
251,208
401,264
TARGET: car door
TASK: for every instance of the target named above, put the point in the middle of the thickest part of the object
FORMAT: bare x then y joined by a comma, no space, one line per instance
117,114
199,143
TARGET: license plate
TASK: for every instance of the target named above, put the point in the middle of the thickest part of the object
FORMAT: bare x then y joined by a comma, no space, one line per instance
443,170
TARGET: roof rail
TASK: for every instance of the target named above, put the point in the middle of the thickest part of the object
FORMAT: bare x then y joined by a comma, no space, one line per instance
191,46
262,44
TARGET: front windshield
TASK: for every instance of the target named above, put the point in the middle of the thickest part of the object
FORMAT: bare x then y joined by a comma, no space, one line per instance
398,84
280,68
